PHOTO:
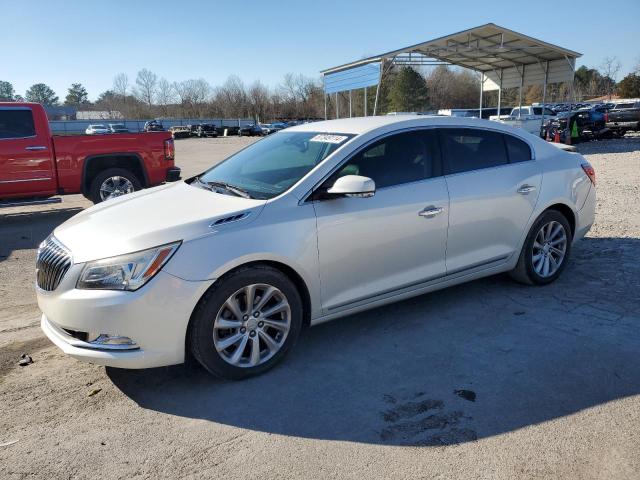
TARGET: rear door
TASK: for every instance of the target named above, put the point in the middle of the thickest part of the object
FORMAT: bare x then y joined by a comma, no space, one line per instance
493,184
26,165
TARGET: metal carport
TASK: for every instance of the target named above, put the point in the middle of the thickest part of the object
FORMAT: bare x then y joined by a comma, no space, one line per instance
502,57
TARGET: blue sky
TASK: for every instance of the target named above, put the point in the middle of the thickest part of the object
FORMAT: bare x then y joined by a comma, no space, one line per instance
60,42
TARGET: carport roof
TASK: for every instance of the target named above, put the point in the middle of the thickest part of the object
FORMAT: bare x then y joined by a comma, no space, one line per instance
487,48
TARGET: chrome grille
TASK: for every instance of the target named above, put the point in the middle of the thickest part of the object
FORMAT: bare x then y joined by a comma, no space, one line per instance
53,262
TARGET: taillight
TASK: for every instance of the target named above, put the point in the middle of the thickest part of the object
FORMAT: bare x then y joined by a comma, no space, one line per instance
606,116
169,149
591,173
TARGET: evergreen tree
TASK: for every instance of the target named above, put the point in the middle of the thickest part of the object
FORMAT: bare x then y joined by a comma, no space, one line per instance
41,93
7,94
77,95
408,92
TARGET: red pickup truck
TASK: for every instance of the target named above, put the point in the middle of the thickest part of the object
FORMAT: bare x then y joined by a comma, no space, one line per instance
35,165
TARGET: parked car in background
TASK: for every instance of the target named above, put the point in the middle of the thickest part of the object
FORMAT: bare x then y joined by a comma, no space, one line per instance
34,165
251,130
97,130
118,128
528,118
153,126
317,222
589,125
206,130
623,118
269,128
180,131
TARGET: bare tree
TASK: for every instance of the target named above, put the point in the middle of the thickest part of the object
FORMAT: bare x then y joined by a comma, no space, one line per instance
121,84
231,98
609,69
146,84
165,95
258,96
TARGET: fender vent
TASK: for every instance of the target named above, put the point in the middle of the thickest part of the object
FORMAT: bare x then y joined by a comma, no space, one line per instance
232,218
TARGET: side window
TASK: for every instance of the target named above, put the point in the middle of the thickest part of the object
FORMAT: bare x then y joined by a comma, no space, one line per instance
468,149
402,158
16,123
518,150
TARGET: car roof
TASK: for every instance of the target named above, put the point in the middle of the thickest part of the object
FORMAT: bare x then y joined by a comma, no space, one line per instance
360,125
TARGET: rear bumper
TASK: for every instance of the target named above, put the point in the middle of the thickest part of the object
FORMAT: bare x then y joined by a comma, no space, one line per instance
586,215
173,174
617,125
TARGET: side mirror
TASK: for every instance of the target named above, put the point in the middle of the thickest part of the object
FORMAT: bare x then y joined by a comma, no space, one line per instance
353,186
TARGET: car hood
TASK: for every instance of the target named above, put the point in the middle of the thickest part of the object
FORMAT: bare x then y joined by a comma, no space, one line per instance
149,218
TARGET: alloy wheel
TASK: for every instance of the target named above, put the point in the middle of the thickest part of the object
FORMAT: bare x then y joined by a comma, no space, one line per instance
549,249
115,186
252,325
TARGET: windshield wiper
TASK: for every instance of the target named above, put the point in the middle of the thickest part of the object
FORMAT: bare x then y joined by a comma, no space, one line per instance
239,192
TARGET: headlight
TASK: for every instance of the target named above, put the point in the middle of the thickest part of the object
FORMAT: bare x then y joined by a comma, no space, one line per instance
125,272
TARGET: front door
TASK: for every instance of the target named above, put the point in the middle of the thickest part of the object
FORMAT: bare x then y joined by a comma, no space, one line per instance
395,240
26,165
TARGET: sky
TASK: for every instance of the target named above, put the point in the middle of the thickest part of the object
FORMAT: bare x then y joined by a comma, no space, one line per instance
62,42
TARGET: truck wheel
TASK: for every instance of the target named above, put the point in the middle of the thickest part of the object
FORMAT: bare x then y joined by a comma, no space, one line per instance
112,183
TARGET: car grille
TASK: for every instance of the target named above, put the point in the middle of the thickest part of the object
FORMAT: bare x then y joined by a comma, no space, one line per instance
53,262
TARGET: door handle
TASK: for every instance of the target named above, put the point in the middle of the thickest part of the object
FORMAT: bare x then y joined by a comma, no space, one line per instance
525,189
430,212
37,147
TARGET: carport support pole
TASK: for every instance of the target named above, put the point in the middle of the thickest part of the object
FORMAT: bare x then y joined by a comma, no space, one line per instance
337,107
375,103
544,91
500,92
481,89
572,66
349,103
520,97
365,101
325,105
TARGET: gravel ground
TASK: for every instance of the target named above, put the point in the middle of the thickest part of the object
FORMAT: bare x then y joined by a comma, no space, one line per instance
485,380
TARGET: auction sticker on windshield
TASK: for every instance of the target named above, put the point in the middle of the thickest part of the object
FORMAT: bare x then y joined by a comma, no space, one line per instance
326,138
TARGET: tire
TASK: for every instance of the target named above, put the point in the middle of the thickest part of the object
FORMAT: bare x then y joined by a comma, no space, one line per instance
206,336
527,271
95,189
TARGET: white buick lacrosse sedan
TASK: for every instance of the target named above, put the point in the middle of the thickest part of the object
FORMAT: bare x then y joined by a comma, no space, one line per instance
310,224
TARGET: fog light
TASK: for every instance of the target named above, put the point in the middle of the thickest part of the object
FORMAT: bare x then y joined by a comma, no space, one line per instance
114,342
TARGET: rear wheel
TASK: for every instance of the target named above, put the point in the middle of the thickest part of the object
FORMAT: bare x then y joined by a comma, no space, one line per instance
247,323
545,251
112,183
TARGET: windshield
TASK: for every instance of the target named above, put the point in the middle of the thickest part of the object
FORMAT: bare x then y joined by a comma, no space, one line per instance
272,165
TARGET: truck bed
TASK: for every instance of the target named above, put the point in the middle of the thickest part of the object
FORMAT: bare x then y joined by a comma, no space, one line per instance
71,151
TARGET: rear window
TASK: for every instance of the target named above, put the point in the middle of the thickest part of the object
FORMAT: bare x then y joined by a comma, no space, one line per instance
517,150
16,123
470,149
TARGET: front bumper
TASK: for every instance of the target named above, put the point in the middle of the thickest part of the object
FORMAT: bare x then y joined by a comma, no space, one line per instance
173,174
155,317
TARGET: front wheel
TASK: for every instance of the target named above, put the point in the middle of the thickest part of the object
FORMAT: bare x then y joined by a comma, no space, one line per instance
545,251
246,323
112,183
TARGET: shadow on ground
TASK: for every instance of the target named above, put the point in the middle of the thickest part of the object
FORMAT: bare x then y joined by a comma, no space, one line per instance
407,374
24,231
